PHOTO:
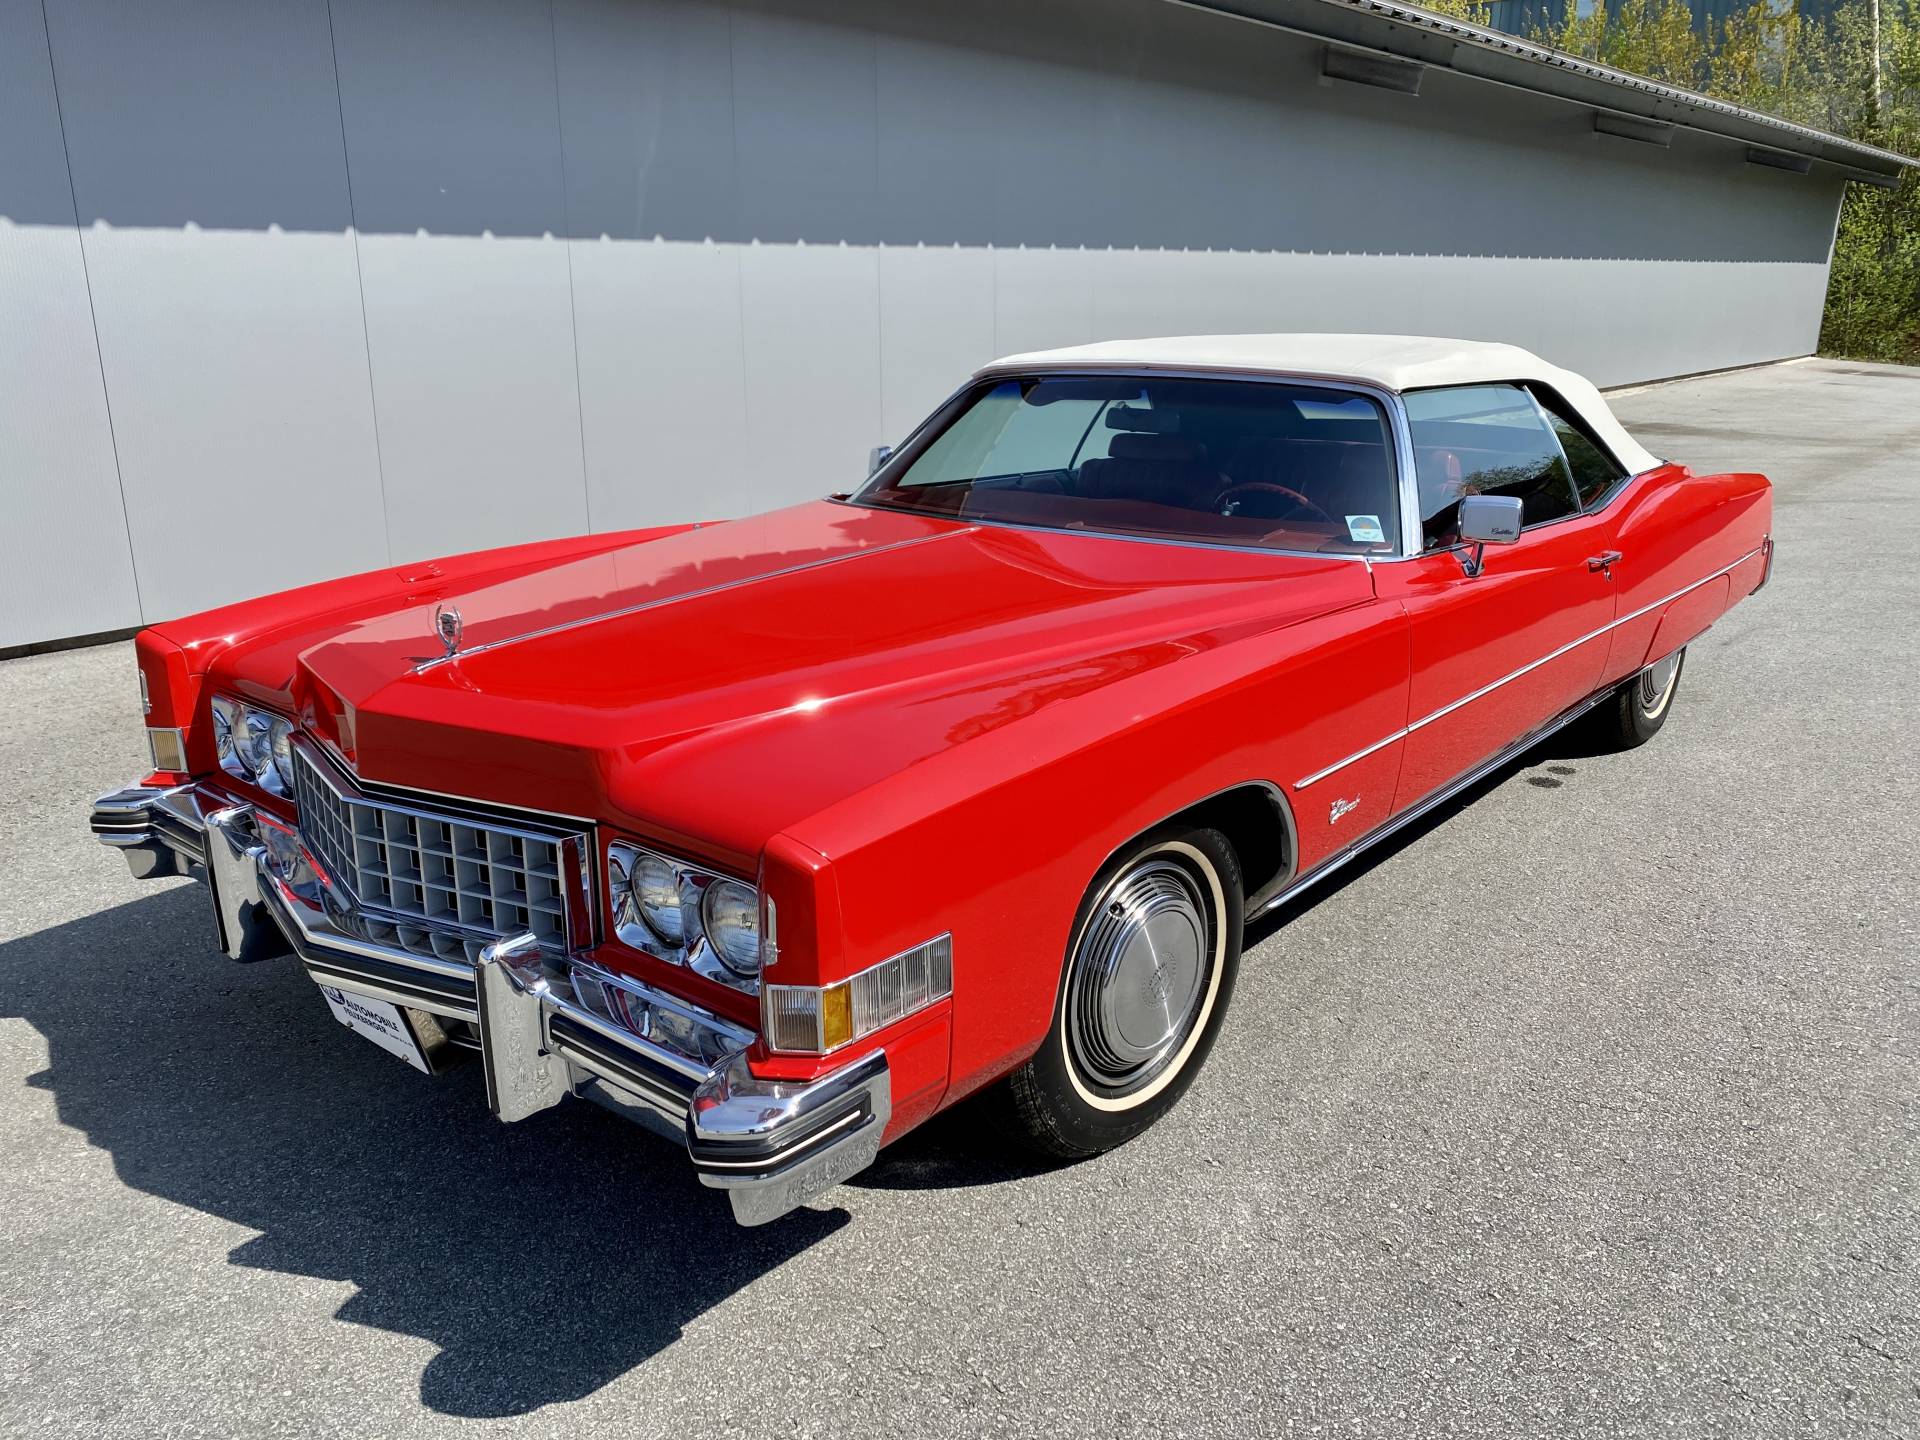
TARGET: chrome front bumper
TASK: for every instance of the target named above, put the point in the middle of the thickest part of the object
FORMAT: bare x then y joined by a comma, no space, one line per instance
678,1069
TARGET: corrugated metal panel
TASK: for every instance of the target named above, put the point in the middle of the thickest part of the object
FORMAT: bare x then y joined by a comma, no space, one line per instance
453,136
730,250
205,145
65,566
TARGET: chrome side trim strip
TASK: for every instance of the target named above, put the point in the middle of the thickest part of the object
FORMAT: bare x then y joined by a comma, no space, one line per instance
665,600
1526,669
1437,798
1357,755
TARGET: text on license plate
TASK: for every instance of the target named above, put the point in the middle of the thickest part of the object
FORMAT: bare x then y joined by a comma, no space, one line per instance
380,1022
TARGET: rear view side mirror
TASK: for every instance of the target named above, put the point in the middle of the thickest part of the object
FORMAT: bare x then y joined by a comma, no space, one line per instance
877,457
1487,520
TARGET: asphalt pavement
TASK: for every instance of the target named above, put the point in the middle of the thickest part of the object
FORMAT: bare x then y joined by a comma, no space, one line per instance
1589,1108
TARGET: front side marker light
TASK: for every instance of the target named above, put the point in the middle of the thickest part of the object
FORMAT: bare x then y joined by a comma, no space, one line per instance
169,749
816,1020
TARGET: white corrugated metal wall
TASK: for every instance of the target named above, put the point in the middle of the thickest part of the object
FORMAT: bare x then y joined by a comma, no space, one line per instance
292,290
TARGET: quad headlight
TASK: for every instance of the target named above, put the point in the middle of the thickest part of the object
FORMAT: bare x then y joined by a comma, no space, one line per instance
686,915
654,887
253,744
730,914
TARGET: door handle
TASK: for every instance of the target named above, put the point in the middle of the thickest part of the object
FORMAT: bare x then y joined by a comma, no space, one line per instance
1604,561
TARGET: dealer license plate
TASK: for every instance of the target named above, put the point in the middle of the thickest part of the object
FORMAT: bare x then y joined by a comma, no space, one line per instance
385,1025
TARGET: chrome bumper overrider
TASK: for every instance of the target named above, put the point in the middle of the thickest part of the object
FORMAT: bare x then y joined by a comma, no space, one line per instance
544,1030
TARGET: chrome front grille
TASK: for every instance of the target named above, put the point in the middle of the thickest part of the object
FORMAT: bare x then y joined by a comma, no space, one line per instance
437,882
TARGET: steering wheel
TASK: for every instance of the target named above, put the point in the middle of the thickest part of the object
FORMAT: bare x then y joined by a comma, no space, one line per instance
1226,503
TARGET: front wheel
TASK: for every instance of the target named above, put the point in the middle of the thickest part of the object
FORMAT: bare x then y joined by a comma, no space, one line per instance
1634,713
1148,974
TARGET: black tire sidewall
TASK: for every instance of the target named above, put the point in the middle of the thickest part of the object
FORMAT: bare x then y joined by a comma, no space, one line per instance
1056,1112
1636,726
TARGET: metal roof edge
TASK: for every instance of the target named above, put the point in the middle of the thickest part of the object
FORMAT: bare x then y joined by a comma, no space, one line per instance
1553,73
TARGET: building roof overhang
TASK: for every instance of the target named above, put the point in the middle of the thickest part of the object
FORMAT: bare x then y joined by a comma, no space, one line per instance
1400,40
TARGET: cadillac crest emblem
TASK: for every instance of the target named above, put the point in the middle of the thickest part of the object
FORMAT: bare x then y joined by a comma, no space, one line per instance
446,624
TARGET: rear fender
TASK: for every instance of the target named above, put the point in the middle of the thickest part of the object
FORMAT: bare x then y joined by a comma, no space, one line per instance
1686,619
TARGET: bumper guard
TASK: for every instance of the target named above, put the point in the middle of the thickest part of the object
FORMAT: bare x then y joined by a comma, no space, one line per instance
545,1030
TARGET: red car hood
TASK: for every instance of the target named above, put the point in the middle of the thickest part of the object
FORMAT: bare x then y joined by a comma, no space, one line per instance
715,686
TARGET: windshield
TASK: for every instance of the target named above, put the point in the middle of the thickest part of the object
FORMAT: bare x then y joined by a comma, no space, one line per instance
1291,467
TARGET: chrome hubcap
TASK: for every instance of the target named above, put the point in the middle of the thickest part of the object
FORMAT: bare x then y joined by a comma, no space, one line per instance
1138,977
1656,683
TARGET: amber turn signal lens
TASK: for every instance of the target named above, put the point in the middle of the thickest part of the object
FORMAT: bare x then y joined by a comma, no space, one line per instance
836,1017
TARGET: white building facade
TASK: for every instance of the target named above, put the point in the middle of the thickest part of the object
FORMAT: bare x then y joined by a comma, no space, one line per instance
295,289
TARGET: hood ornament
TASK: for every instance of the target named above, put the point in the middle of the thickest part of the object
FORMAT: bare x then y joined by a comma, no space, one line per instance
446,624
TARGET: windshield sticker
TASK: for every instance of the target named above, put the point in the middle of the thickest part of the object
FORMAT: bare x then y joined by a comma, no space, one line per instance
1366,527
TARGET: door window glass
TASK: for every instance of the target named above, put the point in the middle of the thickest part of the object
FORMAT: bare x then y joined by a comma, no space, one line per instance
1484,440
1595,473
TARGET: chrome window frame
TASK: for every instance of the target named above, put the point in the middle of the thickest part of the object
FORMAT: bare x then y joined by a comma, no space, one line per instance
1623,478
1400,445
1525,387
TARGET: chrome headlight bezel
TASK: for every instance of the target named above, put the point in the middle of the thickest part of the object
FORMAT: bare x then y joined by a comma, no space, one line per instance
650,929
253,744
730,920
652,884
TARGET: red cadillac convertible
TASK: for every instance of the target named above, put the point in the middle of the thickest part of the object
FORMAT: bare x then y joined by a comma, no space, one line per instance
782,834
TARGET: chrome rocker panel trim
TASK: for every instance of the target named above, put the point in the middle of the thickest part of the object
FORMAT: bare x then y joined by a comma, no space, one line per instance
1394,823
771,1145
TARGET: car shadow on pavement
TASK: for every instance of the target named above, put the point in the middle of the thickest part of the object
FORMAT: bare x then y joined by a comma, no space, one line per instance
969,1145
959,1148
545,1259
1573,742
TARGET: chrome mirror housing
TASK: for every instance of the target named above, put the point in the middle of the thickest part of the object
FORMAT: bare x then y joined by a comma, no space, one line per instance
1487,520
877,457
1490,519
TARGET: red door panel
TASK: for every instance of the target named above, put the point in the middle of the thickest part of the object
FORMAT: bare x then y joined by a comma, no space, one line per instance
1497,654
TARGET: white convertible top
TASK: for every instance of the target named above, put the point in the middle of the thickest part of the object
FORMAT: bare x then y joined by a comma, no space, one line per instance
1392,362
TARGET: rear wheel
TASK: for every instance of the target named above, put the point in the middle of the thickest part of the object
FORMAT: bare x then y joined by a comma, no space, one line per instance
1634,713
1147,978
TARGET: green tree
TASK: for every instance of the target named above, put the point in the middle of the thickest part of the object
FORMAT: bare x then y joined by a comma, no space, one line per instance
1761,61
1873,296
1474,12
1654,38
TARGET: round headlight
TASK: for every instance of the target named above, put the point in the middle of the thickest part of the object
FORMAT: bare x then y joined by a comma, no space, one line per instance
655,889
731,914
253,740
226,720
283,754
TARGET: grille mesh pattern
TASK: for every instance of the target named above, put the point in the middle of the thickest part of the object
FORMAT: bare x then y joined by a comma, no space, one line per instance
432,883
